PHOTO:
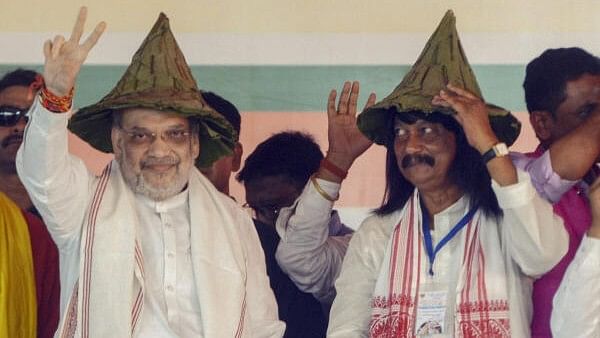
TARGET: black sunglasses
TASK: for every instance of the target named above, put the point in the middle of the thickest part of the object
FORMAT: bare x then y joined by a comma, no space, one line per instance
9,115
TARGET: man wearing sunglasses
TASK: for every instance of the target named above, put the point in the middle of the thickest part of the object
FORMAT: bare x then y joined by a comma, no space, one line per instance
31,276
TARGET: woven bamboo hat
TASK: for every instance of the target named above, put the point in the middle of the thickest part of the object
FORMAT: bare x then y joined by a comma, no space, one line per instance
442,61
157,78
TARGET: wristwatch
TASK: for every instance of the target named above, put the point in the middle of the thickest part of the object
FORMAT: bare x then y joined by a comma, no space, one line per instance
498,150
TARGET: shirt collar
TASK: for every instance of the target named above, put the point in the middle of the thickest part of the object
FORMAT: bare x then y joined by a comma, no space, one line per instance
168,204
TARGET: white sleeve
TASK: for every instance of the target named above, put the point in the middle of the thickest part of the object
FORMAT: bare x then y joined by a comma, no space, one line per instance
576,311
263,317
57,182
306,252
351,310
534,235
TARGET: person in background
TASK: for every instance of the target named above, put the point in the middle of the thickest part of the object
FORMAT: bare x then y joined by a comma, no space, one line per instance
221,169
562,91
576,311
29,271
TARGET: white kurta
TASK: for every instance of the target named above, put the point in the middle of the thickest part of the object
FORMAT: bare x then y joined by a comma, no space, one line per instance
227,262
576,311
313,242
531,237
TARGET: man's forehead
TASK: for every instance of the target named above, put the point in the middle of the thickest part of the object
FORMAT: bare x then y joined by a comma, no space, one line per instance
151,118
399,121
16,96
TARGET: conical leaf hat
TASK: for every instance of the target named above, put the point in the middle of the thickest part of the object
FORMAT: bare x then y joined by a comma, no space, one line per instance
442,61
157,78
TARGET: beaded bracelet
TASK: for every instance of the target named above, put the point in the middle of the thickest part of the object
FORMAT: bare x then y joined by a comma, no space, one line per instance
56,104
321,191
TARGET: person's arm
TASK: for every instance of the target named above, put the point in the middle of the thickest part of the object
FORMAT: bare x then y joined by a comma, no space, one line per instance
575,153
307,253
535,237
261,307
543,177
57,182
576,310
351,310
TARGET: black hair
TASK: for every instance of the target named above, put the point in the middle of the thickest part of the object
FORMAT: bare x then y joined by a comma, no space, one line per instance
292,154
467,170
18,77
547,75
225,108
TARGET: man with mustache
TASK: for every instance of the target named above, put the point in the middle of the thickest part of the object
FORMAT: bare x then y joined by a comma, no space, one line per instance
461,234
28,256
149,247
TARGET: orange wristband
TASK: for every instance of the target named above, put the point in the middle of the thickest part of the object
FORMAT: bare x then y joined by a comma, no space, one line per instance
334,169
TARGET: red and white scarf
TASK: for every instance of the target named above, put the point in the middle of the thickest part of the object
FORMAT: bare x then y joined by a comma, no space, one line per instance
482,300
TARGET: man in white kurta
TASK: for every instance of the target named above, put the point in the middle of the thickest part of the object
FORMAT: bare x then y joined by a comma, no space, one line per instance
461,234
149,247
576,311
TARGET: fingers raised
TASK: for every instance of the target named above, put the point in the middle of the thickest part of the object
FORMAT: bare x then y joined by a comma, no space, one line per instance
353,98
343,103
57,44
79,25
91,40
331,103
370,101
462,92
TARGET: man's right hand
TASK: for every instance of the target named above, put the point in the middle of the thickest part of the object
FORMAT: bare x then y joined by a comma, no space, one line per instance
63,58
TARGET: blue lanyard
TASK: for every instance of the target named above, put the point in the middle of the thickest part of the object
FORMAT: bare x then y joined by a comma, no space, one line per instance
431,252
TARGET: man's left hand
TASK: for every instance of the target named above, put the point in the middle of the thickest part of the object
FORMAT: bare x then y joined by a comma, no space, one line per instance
471,113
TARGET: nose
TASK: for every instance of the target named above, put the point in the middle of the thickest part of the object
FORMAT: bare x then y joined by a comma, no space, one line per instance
159,148
414,143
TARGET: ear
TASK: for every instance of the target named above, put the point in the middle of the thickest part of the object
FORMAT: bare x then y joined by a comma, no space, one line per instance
115,138
542,122
238,151
195,147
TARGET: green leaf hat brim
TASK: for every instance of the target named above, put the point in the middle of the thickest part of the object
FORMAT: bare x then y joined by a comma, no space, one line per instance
158,78
442,61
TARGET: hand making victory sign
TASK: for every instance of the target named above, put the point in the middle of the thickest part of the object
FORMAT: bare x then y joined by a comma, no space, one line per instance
63,58
346,142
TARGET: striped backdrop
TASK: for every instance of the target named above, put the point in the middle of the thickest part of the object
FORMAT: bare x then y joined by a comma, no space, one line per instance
278,60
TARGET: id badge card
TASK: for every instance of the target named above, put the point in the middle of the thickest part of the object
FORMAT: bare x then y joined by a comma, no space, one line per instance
431,313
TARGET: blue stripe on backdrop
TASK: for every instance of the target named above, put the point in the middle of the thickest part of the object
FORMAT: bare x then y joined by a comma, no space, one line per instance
299,88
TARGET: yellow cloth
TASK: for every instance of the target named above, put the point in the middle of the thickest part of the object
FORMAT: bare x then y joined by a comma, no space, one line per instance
18,305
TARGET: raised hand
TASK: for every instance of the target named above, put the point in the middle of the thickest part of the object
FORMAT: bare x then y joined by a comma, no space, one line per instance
471,113
63,58
346,142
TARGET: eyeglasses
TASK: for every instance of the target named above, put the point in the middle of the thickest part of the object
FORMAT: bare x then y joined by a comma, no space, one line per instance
142,137
9,115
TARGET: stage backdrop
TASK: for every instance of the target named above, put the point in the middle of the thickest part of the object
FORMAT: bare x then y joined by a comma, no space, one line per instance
278,60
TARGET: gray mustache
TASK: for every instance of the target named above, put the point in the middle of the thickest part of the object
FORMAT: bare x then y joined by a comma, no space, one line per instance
411,160
160,161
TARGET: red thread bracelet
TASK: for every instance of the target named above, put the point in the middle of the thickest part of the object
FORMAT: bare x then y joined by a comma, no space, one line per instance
334,169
